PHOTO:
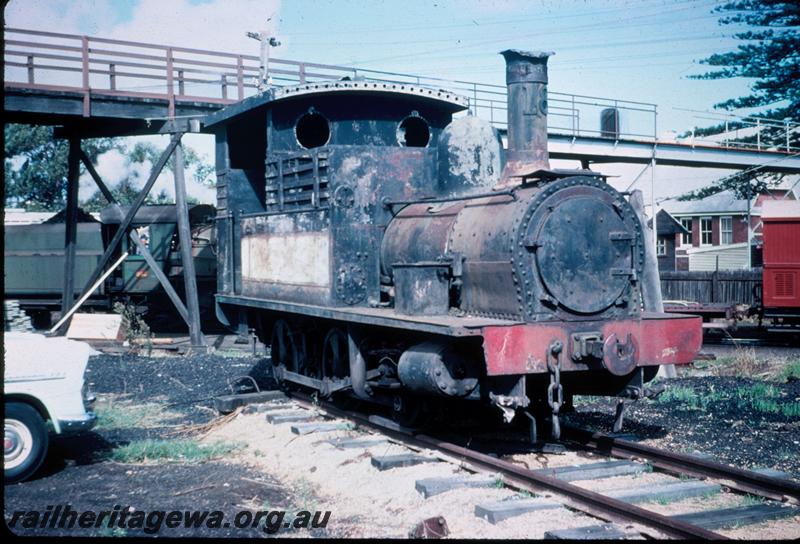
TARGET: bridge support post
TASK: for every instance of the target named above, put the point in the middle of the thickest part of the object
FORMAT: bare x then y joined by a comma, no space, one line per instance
71,223
187,262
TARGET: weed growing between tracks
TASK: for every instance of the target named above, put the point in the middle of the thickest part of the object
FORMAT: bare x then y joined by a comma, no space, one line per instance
766,399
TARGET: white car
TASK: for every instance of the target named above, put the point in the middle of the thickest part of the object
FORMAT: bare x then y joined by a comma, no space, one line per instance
43,381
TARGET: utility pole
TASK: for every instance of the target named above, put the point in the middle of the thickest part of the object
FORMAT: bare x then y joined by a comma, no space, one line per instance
267,41
653,201
749,227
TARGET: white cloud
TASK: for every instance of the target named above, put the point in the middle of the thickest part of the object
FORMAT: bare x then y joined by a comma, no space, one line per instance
112,167
68,17
217,25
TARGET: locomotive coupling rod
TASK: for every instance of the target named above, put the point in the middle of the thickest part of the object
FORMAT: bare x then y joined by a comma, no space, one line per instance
582,499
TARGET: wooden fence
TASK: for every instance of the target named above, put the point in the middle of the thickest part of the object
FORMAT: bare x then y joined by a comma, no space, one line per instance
726,286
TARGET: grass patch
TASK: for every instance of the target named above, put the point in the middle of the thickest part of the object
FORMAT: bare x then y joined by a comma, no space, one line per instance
709,495
683,395
186,451
663,501
752,500
581,401
759,397
745,362
304,497
713,366
766,399
789,371
125,415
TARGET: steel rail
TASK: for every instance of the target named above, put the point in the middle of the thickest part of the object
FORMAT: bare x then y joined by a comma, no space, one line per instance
735,478
580,498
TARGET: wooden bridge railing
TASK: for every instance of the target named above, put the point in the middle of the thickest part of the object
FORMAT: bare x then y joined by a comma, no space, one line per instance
100,66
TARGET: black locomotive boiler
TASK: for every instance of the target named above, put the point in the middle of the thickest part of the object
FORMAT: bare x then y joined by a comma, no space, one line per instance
384,247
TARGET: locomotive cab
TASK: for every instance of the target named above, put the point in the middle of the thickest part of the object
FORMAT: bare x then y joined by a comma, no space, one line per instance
333,155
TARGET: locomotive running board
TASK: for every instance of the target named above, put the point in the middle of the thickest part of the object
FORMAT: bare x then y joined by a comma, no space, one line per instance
446,325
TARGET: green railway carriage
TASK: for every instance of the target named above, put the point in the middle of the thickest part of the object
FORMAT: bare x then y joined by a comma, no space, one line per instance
34,258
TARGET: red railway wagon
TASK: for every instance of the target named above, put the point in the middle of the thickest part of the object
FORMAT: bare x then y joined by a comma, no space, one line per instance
781,278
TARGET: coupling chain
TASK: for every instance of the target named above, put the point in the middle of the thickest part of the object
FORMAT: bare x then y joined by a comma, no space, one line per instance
554,353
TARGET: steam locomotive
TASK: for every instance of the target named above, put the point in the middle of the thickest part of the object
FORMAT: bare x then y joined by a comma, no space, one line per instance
383,247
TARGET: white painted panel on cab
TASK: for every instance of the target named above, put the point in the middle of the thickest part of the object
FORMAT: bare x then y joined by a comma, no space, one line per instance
299,258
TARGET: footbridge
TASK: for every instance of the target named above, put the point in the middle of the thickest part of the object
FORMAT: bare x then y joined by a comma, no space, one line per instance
96,86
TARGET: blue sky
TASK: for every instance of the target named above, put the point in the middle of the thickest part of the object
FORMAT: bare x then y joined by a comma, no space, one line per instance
636,50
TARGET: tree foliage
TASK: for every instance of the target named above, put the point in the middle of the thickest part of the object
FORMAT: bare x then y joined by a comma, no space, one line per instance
744,185
36,166
36,169
770,55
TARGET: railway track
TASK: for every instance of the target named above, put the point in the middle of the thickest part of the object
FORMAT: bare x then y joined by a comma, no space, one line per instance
745,481
598,505
753,336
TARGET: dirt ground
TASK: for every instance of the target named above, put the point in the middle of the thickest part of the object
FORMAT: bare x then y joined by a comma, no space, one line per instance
736,408
164,398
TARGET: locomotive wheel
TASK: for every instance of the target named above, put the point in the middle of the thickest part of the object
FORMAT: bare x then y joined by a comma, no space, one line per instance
409,411
284,349
335,359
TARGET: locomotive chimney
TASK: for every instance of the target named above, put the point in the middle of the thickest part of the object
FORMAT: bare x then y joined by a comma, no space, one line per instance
526,83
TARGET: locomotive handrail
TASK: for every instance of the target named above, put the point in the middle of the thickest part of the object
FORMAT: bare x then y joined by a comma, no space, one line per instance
163,75
433,200
282,212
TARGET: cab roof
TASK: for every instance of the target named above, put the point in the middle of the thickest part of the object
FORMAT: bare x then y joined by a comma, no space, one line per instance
447,100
